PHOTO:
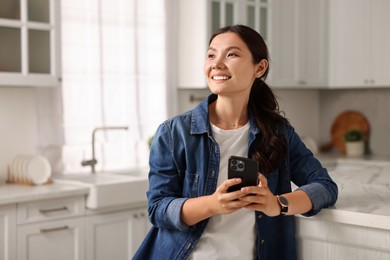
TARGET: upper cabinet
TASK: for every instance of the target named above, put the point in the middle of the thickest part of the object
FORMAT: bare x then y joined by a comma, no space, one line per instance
359,40
330,44
199,19
298,46
29,45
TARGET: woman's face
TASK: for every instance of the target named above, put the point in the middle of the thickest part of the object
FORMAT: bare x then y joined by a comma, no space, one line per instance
229,67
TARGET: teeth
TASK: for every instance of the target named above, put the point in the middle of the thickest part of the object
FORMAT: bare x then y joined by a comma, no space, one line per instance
220,77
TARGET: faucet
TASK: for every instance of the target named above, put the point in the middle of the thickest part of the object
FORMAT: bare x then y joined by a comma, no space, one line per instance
93,161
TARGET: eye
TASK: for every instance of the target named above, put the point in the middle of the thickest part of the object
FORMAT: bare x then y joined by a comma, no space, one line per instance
210,56
232,54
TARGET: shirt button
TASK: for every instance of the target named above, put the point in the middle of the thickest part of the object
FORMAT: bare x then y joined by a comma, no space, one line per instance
188,246
262,242
259,216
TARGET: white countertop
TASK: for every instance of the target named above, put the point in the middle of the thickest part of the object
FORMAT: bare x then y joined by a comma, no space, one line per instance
364,192
16,193
101,190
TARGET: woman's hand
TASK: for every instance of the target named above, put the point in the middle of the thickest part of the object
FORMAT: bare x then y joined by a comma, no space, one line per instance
220,202
263,200
224,202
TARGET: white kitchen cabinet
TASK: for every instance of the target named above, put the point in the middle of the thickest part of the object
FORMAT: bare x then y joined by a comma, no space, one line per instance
59,239
30,40
298,45
330,44
327,240
8,232
51,229
116,235
359,42
197,20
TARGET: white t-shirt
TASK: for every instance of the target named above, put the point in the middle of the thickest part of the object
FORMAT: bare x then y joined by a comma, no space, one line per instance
230,236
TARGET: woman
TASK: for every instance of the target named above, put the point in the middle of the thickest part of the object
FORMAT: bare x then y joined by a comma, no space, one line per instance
192,213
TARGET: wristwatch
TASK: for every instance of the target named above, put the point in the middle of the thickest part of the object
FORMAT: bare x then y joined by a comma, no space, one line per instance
283,204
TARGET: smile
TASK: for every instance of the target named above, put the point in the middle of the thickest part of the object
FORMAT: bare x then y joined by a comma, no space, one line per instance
220,77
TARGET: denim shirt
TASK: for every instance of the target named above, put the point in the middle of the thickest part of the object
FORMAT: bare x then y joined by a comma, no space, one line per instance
184,162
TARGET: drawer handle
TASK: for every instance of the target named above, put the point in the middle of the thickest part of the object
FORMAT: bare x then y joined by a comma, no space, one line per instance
47,230
44,211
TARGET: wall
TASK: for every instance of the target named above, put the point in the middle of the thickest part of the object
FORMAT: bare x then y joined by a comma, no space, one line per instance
301,107
312,112
373,103
18,127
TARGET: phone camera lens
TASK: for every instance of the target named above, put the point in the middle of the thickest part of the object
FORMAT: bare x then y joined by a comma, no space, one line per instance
234,162
240,165
234,167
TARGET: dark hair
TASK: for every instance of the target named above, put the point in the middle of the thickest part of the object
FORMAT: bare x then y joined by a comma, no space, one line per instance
269,147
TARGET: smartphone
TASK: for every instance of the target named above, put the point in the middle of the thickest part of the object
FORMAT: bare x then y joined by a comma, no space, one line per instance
244,168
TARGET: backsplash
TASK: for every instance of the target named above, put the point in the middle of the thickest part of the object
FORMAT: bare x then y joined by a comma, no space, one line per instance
373,103
298,106
312,112
19,129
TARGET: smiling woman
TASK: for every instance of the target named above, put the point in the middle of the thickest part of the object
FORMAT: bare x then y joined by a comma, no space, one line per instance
107,49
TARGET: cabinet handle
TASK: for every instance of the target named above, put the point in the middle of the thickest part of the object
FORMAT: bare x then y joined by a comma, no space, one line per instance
47,230
302,82
44,211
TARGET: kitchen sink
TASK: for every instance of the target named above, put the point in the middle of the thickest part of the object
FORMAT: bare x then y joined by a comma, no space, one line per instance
110,189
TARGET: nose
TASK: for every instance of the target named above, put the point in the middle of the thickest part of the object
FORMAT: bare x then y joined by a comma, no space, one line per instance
218,65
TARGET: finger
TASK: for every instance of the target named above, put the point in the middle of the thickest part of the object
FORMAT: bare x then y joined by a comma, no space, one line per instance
228,183
257,190
262,181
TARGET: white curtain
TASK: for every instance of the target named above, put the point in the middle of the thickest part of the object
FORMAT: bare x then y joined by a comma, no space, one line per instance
115,70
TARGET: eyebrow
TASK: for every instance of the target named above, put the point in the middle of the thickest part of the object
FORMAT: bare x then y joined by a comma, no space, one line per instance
227,49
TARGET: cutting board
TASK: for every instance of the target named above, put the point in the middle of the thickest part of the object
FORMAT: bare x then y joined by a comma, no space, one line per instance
344,122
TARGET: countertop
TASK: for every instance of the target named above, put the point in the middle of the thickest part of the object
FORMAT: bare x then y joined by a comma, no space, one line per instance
17,193
364,192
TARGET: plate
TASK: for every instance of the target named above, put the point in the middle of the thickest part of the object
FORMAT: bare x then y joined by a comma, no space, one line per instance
344,122
38,169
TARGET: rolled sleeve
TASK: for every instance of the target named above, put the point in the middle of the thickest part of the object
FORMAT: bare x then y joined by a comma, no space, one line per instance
319,196
174,214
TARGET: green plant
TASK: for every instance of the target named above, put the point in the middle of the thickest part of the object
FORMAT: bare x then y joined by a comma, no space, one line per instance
353,136
150,140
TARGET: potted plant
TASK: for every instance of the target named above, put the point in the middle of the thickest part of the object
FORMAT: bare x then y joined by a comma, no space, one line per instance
354,142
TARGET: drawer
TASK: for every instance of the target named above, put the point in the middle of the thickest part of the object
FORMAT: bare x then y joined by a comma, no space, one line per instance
44,210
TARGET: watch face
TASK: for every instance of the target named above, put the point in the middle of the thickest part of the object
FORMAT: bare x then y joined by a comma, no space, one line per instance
283,201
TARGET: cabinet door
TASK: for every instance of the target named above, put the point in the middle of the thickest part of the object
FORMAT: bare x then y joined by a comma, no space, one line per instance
60,240
140,227
193,36
350,42
312,44
8,232
192,42
29,46
115,235
298,44
283,52
380,35
255,14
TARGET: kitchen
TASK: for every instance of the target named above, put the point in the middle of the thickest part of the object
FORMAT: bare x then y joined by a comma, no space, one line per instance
311,107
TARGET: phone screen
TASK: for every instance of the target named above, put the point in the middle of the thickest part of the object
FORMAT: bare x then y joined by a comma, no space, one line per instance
244,168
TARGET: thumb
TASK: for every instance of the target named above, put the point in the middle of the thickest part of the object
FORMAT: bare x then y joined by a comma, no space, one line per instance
262,181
